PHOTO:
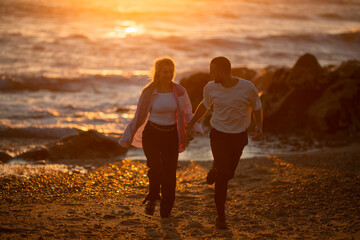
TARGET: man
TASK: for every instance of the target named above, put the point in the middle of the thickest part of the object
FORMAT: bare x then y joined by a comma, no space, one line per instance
234,100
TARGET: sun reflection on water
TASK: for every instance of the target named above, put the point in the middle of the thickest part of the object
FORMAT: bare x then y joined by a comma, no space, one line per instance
125,29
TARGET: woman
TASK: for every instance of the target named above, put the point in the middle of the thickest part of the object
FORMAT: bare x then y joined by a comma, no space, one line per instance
162,113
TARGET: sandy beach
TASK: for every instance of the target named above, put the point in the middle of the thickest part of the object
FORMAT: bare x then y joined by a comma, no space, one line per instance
298,196
71,76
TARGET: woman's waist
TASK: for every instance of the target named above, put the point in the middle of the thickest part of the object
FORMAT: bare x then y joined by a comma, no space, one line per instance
163,119
162,126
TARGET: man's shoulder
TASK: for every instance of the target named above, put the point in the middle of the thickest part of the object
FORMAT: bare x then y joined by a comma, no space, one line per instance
210,85
245,83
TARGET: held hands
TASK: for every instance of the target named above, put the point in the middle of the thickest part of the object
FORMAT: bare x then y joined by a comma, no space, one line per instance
258,134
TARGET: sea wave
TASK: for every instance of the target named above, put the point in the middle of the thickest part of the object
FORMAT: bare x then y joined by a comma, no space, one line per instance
33,115
39,133
334,16
14,83
344,37
187,44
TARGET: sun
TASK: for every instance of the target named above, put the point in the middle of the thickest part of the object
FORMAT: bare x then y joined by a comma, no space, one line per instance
130,30
126,28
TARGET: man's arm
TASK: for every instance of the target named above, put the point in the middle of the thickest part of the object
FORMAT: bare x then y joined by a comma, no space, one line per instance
259,122
199,113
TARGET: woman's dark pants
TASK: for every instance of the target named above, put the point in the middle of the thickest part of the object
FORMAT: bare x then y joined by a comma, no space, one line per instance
226,149
161,148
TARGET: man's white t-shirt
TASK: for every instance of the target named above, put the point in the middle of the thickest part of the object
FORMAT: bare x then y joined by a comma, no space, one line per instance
232,106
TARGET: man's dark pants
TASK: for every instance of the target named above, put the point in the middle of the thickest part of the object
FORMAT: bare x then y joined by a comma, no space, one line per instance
226,149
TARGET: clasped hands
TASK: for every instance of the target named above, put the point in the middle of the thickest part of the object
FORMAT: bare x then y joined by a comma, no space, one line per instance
258,134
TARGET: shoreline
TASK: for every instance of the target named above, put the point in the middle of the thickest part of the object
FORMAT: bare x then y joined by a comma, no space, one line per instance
298,196
271,145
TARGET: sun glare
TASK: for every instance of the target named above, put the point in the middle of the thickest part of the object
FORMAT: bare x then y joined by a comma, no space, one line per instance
126,28
131,30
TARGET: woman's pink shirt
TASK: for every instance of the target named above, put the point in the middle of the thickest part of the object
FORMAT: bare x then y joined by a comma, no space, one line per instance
133,132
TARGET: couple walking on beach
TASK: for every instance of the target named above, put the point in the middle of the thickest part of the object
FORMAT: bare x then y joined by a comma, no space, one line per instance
164,121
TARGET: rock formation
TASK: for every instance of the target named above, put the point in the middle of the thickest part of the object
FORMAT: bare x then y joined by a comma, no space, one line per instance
85,145
307,99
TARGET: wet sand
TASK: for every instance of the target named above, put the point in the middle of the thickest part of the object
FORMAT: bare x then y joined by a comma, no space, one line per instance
298,196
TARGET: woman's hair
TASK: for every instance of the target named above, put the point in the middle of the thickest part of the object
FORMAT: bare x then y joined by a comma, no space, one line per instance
158,65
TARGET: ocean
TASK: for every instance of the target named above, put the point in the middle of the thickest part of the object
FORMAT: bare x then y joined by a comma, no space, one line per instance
74,65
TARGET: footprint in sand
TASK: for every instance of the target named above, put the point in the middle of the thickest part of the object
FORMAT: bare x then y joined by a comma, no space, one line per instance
195,224
130,222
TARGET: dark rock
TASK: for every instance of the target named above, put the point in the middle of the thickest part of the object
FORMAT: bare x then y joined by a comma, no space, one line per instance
306,72
274,77
313,101
337,109
288,114
36,154
244,73
90,144
4,157
290,95
348,69
194,86
275,80
273,83
84,145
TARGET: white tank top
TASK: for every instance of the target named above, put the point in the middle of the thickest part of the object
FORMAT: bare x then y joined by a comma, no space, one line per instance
163,109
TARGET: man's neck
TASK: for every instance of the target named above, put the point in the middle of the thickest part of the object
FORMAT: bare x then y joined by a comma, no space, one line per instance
229,82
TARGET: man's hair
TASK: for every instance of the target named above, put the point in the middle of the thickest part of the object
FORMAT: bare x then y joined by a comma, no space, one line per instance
223,63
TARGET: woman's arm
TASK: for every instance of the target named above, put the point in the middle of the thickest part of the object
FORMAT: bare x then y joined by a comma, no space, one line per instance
130,130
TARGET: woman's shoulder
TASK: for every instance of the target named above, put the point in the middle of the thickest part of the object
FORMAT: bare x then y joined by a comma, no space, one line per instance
180,90
149,88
